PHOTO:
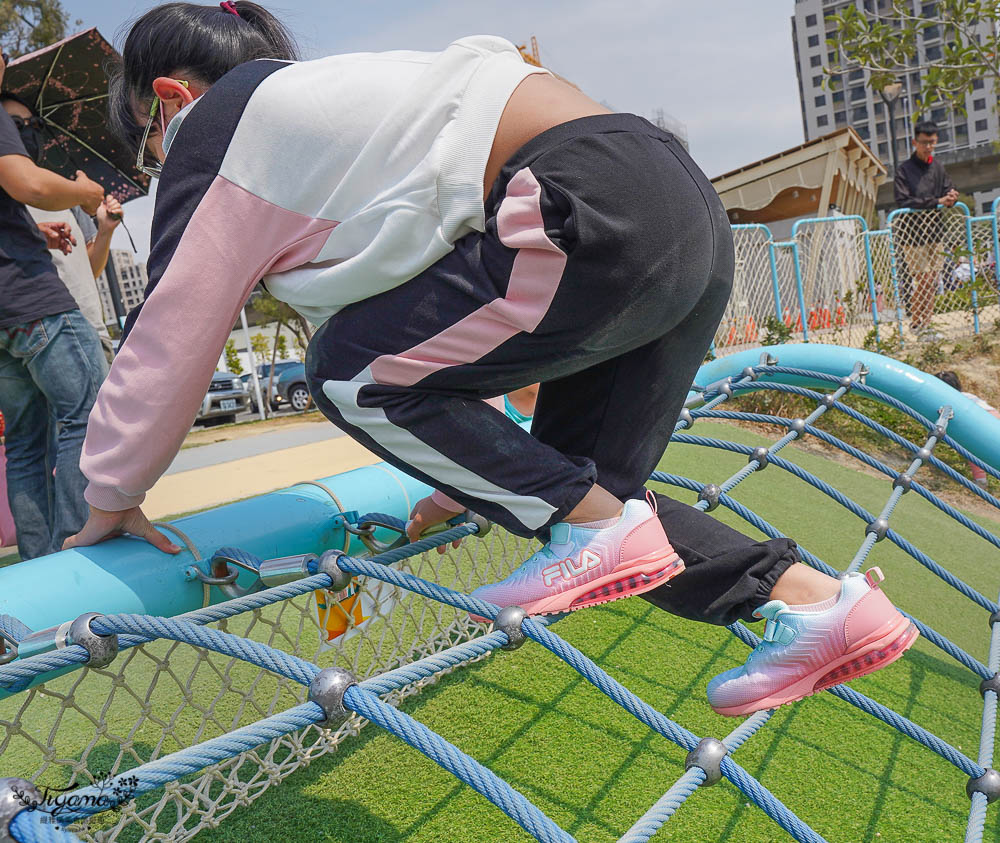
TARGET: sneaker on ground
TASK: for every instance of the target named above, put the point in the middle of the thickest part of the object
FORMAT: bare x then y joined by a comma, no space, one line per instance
809,648
582,566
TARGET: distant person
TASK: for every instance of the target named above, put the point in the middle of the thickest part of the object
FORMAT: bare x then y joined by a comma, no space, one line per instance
49,353
89,244
922,183
980,477
961,275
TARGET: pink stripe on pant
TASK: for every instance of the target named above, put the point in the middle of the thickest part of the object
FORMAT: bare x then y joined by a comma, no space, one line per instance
534,279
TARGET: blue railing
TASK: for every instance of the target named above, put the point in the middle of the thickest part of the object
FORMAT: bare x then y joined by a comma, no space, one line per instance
879,283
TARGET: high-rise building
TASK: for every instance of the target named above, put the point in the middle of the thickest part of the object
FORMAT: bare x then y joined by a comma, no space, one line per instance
132,280
852,103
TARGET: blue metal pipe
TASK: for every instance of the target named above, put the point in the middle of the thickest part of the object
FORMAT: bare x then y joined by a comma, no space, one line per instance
869,268
972,427
129,575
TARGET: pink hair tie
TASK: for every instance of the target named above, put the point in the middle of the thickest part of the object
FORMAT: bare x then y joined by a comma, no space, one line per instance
230,7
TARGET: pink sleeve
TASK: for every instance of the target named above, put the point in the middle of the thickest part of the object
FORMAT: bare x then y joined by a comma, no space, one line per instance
439,497
161,375
443,501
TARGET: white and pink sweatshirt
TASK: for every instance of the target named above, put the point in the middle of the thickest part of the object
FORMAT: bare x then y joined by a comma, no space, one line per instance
332,180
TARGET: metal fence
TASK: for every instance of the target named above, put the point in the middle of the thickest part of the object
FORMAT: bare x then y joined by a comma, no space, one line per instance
930,275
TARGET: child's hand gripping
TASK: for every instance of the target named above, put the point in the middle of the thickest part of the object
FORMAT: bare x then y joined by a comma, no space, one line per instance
426,515
103,525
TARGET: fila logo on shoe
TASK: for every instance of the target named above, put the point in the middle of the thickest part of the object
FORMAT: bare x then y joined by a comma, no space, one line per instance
568,568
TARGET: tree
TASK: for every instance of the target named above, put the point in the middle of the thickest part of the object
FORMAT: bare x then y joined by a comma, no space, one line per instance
261,346
233,358
281,347
272,310
885,44
28,25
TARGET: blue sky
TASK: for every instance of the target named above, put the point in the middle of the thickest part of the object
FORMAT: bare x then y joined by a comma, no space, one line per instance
724,68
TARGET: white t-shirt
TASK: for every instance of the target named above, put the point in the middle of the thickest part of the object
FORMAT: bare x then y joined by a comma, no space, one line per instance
74,269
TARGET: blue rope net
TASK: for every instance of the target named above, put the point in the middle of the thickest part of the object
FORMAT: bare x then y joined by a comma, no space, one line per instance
365,698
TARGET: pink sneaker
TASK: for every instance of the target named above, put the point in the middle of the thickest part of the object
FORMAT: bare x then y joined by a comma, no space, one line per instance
806,651
582,567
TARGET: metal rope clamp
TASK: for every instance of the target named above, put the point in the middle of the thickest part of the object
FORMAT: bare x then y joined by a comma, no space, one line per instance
227,562
987,784
708,756
101,649
365,530
16,795
327,564
508,621
327,690
710,493
8,648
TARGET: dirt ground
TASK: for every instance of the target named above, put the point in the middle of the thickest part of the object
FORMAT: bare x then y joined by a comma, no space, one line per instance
976,361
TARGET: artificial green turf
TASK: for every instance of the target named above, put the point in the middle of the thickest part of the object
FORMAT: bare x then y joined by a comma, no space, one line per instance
594,770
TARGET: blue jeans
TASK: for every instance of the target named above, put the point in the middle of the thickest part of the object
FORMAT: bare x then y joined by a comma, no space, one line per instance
51,367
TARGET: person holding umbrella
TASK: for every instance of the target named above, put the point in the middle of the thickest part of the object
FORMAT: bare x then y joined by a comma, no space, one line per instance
49,353
78,267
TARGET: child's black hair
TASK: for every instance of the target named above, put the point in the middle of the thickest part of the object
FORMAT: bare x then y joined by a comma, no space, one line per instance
203,42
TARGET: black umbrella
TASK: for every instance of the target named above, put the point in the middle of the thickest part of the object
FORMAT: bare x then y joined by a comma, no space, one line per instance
65,84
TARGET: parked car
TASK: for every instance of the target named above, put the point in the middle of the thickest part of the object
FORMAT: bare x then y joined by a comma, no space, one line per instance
264,374
225,398
292,387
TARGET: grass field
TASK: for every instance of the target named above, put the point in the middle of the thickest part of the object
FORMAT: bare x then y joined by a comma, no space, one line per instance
594,770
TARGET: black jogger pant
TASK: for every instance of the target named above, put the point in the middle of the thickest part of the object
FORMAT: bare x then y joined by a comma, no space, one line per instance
603,272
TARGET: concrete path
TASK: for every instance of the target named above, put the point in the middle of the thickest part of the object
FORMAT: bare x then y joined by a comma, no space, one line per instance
250,446
220,472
